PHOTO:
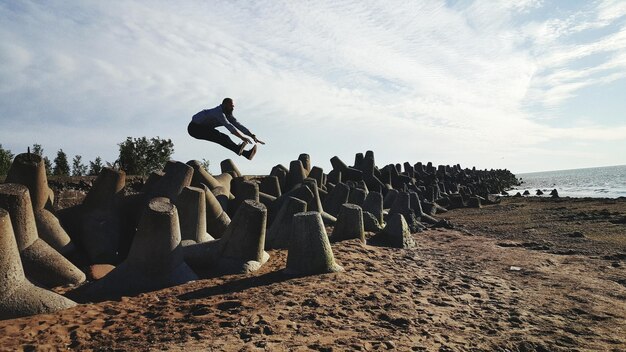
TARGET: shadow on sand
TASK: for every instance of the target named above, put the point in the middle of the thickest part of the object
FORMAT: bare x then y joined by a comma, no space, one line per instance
237,285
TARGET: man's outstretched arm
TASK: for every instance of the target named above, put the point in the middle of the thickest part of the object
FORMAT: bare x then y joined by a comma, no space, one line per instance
240,135
243,129
256,140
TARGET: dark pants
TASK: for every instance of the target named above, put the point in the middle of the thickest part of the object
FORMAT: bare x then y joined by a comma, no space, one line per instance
211,134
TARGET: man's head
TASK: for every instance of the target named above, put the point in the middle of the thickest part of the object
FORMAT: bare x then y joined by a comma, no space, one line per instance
228,106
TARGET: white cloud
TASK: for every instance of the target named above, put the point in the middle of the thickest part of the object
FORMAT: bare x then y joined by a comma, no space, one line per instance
410,80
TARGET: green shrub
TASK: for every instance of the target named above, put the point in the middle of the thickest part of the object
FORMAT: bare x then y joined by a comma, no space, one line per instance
6,157
140,156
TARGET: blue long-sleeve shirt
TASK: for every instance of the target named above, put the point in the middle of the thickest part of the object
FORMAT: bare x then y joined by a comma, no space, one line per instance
215,117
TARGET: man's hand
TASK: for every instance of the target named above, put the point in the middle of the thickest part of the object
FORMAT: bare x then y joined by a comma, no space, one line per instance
257,140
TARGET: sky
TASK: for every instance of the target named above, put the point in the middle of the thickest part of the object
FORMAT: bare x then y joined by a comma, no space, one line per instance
526,85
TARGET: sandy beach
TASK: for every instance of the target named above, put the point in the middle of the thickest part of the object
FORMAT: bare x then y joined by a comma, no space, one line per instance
528,274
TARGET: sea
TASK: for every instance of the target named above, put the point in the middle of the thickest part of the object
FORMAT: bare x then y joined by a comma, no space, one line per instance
595,182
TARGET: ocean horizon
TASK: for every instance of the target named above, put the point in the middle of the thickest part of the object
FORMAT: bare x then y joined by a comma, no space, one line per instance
594,182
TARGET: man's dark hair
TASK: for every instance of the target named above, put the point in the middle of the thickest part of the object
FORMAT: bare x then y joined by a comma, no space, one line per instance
227,100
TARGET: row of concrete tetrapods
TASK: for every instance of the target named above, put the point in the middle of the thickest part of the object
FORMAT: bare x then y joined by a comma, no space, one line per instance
186,221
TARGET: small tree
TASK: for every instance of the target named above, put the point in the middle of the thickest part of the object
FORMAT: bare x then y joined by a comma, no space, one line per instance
78,168
205,164
48,165
6,157
61,167
140,156
37,149
95,167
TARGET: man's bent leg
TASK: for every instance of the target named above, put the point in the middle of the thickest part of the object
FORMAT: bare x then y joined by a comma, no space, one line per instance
213,135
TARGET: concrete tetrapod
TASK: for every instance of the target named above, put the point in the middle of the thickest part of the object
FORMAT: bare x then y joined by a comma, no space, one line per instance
296,174
228,166
395,234
402,205
41,262
50,230
416,206
309,251
357,196
373,203
302,192
334,177
349,224
217,220
223,192
270,185
315,204
474,202
242,190
306,162
202,176
317,173
370,223
241,248
177,176
29,170
358,161
18,296
347,173
280,172
152,180
106,189
456,201
155,259
390,198
267,200
191,206
280,231
96,222
225,179
336,198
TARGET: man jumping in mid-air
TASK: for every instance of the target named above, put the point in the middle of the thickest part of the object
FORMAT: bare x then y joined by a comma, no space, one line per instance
203,126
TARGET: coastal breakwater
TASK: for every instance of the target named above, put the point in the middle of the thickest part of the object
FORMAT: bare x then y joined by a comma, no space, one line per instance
184,222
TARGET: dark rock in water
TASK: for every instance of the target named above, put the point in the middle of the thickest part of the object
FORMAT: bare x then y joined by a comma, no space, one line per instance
539,192
554,193
517,194
504,193
526,193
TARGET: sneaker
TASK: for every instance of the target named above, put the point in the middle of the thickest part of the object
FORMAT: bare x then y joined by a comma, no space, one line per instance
242,147
249,154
